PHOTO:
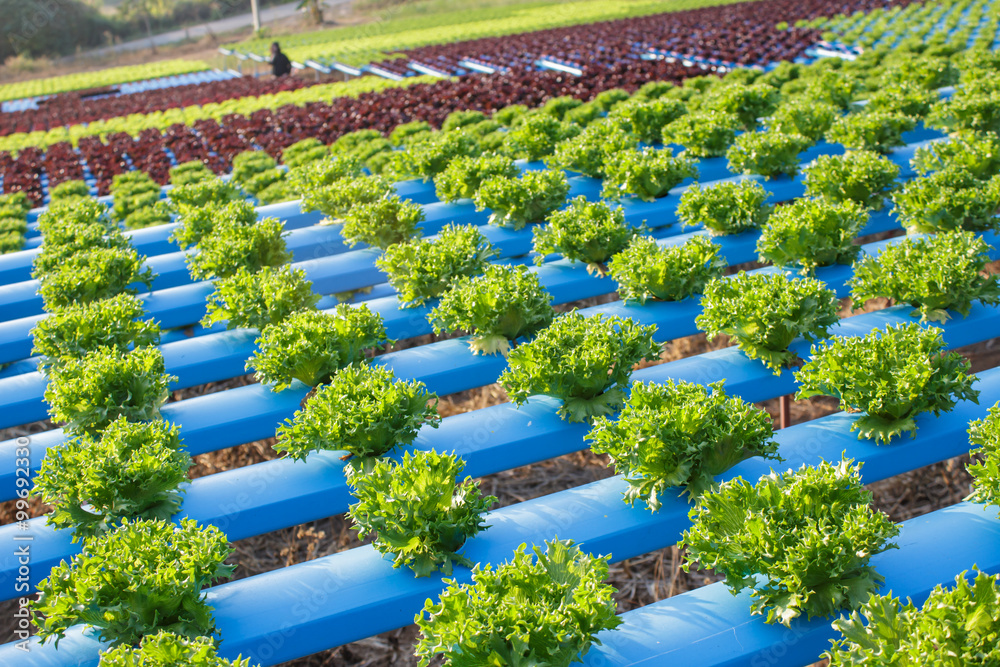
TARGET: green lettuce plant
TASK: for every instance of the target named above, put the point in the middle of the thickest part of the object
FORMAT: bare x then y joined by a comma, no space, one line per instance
809,233
79,329
423,269
419,510
312,345
647,270
765,312
801,540
254,300
680,435
892,376
730,207
583,361
584,231
933,274
545,608
516,202
156,584
498,307
131,470
364,411
88,394
864,177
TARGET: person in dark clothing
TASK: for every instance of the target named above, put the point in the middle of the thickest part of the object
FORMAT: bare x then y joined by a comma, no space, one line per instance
280,64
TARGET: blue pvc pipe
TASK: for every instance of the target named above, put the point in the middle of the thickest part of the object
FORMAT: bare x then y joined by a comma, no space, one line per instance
275,494
252,412
710,627
317,601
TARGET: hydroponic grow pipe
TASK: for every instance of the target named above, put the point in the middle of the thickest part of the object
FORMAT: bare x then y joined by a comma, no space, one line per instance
23,302
223,355
710,627
312,606
184,305
276,494
244,414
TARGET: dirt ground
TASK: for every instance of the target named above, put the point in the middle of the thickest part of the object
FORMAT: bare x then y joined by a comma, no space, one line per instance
640,581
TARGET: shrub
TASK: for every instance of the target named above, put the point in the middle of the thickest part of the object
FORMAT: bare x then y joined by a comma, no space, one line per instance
766,312
729,207
419,510
547,609
130,471
364,411
892,376
583,361
311,346
156,584
801,540
679,434
498,307
254,300
423,269
646,270
808,233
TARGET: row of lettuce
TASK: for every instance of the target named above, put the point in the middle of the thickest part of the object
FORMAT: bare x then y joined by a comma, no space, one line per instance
611,136
107,382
